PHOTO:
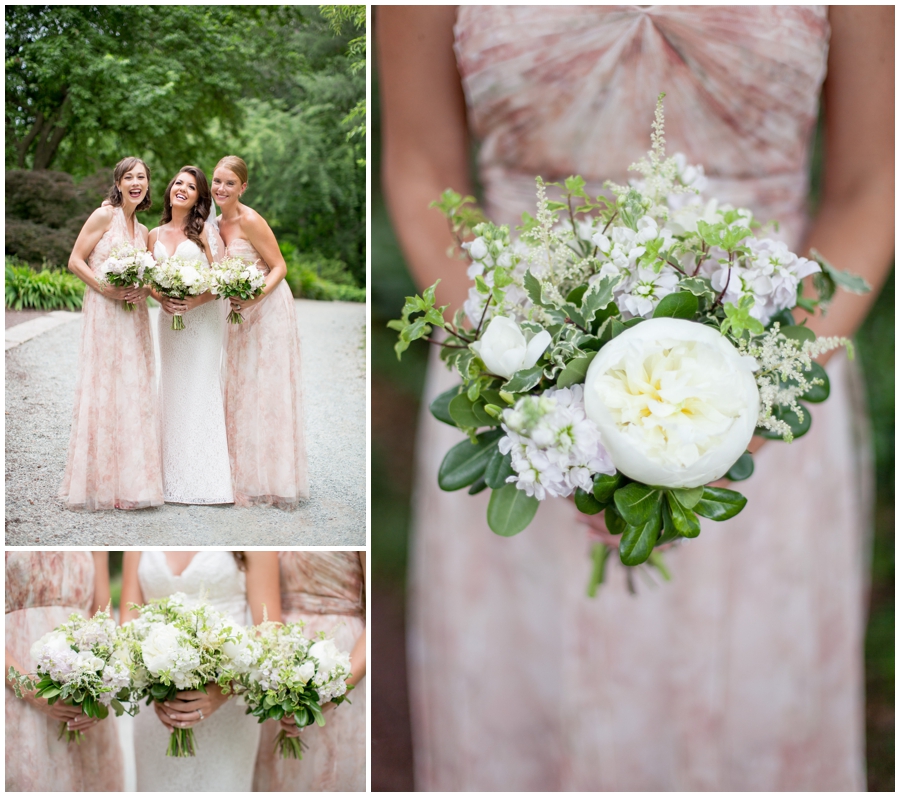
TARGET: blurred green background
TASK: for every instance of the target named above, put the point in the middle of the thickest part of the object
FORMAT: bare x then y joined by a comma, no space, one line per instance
281,86
396,388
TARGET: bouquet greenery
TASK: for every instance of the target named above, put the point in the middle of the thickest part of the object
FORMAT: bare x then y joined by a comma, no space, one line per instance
235,278
177,277
623,351
127,267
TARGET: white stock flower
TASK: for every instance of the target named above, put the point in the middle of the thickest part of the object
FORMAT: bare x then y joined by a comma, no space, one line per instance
675,402
504,349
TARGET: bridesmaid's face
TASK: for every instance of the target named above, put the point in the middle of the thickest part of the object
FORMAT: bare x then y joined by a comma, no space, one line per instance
226,187
184,191
134,184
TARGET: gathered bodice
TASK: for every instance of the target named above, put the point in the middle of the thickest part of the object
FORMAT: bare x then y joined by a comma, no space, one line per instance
241,247
36,579
211,576
186,249
322,582
560,90
116,235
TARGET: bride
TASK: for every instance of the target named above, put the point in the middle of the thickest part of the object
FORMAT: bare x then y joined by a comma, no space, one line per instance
196,469
242,585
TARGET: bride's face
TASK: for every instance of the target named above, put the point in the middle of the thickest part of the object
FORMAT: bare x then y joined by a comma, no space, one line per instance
184,192
134,184
226,187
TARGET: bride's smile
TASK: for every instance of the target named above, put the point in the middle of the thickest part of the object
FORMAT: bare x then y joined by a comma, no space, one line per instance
184,193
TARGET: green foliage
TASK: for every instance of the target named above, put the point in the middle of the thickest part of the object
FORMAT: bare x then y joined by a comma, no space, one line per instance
510,510
316,277
27,289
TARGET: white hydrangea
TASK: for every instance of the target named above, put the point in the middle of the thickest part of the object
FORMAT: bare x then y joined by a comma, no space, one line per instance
555,448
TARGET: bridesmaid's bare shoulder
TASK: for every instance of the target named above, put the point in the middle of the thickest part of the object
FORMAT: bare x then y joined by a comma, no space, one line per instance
252,222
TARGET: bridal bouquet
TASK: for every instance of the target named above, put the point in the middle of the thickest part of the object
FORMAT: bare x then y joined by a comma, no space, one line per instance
178,278
126,267
173,648
83,663
623,351
293,676
234,277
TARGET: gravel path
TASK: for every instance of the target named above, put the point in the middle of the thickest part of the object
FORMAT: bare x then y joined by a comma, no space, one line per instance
40,386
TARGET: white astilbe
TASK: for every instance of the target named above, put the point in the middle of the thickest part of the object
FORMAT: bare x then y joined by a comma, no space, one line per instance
554,447
783,374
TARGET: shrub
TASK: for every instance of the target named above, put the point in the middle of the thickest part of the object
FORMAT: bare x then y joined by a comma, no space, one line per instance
311,275
27,289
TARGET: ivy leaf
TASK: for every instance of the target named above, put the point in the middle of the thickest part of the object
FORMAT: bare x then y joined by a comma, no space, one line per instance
524,380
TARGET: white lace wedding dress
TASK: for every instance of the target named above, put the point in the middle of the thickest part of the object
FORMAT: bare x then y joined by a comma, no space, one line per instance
196,468
226,742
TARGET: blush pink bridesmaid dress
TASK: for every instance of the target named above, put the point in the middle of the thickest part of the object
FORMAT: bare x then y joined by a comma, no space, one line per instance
42,589
263,398
326,590
745,671
114,459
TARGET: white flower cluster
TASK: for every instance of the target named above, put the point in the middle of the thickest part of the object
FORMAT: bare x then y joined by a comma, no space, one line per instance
234,276
126,265
83,655
555,448
492,249
178,277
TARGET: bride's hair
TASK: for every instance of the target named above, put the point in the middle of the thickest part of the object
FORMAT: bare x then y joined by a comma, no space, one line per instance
196,219
122,168
240,559
235,164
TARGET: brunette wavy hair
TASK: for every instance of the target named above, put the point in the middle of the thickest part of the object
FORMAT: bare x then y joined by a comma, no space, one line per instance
196,219
122,168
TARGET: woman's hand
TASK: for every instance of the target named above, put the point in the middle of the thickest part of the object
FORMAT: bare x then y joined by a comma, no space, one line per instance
114,292
192,302
289,724
173,306
73,716
243,304
190,707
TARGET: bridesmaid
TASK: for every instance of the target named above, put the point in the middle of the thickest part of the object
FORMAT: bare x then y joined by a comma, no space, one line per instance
114,453
326,590
262,372
42,589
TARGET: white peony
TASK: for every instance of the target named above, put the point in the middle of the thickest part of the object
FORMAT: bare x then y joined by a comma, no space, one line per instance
55,641
190,275
326,653
675,402
161,647
504,349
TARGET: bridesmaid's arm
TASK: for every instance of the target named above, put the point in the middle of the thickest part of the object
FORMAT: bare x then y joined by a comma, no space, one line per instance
131,586
258,232
94,228
102,600
263,585
58,711
854,226
426,144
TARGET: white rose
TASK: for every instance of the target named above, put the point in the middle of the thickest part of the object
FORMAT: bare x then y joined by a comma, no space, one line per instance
160,648
190,275
675,402
504,349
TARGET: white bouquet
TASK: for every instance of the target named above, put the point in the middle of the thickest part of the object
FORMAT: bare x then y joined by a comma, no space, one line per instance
294,676
623,351
234,277
174,648
126,267
83,663
178,278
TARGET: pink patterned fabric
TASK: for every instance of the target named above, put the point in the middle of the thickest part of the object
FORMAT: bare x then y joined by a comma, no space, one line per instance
114,448
42,589
745,671
326,590
263,398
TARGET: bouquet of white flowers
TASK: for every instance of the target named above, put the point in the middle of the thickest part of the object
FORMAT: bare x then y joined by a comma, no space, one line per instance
173,648
294,676
126,267
178,278
624,351
234,277
83,663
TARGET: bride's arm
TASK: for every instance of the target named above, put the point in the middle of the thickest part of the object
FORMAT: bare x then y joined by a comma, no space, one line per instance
425,134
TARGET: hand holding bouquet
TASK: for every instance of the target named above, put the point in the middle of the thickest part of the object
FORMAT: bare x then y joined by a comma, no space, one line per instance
292,677
82,663
127,267
235,278
178,278
175,648
623,351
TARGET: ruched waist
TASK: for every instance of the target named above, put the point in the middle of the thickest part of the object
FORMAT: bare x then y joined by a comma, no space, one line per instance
321,604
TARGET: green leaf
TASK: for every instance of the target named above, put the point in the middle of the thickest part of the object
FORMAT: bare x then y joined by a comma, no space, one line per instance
469,414
586,503
742,469
786,414
784,317
524,380
615,524
798,332
844,279
685,521
688,496
576,370
682,304
669,532
637,503
466,461
440,407
510,510
480,484
638,541
605,486
720,504
48,692
498,470
817,393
